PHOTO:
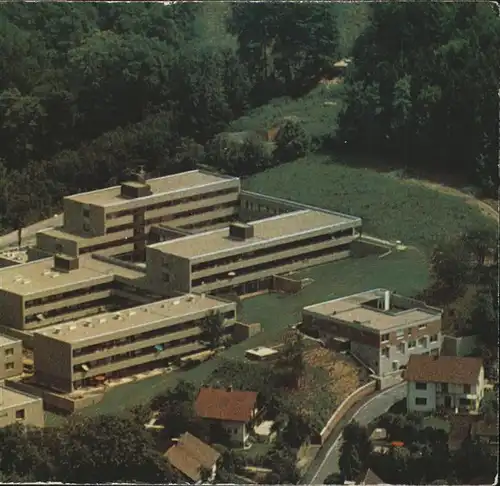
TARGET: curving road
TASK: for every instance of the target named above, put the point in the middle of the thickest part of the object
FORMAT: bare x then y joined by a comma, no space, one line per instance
327,460
10,239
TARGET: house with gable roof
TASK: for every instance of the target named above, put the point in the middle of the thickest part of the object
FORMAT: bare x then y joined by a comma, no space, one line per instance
444,383
234,410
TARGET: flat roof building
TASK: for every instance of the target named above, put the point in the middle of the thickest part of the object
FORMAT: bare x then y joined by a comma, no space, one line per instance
383,328
116,220
76,354
51,290
239,257
11,357
17,407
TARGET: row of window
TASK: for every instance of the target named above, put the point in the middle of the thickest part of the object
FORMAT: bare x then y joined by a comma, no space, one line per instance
68,295
422,342
272,264
162,331
112,244
134,354
268,251
67,309
401,334
171,217
444,387
174,202
262,208
193,212
422,401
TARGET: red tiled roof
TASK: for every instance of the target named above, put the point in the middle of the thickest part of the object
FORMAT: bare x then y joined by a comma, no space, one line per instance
190,455
236,406
443,369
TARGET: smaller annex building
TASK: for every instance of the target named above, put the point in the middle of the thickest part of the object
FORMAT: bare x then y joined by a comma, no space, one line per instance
234,410
444,382
381,328
18,407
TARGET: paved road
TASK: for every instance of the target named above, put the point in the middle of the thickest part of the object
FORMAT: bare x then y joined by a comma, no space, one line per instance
29,232
364,413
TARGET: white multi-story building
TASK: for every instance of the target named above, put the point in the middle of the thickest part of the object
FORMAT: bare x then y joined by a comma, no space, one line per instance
444,382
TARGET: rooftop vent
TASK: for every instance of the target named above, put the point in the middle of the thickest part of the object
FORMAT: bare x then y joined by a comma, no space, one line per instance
135,189
241,231
132,313
176,302
72,328
65,263
102,321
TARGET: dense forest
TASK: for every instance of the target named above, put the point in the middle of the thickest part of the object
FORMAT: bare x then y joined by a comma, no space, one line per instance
89,90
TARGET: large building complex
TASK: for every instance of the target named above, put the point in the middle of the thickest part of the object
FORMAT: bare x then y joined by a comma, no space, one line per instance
52,290
76,354
17,407
123,285
117,220
243,257
383,329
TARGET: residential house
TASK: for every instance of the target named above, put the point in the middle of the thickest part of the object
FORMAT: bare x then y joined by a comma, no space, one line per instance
444,383
191,457
234,410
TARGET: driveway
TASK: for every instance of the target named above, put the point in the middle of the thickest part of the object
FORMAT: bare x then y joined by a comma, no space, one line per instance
364,413
29,232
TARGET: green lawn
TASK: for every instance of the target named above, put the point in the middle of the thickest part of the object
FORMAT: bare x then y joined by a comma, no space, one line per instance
317,110
391,208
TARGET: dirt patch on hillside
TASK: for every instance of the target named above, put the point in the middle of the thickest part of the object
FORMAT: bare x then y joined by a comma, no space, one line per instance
487,207
343,376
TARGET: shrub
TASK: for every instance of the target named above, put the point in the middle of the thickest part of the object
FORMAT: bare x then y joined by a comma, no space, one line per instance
292,141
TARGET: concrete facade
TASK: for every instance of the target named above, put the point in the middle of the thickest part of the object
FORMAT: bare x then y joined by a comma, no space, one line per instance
384,329
72,355
11,357
38,294
218,261
17,407
112,221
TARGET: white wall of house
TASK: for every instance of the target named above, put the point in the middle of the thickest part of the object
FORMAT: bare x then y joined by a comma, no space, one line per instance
448,395
420,399
237,432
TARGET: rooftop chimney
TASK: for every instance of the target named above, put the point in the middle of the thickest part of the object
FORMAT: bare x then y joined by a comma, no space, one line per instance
63,263
229,388
241,231
137,187
387,300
